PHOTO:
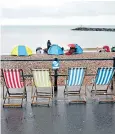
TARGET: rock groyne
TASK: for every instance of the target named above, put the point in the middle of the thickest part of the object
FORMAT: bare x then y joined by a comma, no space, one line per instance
94,29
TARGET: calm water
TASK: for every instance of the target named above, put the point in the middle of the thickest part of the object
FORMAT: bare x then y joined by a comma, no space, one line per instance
35,36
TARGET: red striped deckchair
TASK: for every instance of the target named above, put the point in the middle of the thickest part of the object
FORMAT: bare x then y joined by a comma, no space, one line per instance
13,79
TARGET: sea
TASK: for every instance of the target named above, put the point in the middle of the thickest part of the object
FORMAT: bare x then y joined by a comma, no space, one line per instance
38,35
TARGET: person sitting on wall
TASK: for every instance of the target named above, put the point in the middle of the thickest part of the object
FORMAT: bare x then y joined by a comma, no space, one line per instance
102,50
45,50
39,50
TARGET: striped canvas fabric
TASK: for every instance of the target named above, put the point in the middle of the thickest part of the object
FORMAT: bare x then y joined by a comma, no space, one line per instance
41,78
12,78
76,76
104,75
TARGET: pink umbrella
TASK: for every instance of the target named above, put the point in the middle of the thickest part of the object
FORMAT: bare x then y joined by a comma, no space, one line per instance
72,45
107,49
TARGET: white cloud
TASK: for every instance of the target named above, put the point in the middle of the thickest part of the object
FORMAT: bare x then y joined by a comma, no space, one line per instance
81,8
79,20
28,3
39,3
57,12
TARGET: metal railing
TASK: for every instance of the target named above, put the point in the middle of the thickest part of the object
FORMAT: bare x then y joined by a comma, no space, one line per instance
76,59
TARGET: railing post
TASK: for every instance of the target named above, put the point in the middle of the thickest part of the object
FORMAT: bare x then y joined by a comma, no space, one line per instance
55,66
113,75
55,80
113,61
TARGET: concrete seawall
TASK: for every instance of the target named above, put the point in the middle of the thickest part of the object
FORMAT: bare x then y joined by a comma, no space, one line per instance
28,65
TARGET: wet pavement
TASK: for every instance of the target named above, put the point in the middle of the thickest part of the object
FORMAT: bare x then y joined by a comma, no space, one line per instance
59,118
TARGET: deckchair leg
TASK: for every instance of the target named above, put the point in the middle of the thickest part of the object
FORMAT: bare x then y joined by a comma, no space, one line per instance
22,102
25,94
65,88
52,91
79,101
92,88
9,96
66,91
105,93
36,94
5,98
33,98
3,89
95,90
32,91
8,100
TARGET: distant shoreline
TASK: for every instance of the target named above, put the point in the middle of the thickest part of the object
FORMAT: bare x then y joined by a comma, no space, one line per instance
94,29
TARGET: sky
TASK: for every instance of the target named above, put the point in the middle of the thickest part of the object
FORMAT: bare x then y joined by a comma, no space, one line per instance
57,12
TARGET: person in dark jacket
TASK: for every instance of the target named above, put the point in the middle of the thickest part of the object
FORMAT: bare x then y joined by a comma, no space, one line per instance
48,44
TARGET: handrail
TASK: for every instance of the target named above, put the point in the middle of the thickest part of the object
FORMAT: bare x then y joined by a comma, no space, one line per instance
59,59
30,75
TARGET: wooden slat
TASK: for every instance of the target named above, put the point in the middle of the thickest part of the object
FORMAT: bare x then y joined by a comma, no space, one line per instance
105,100
72,91
16,105
104,94
15,97
41,96
38,103
73,94
43,93
98,90
81,101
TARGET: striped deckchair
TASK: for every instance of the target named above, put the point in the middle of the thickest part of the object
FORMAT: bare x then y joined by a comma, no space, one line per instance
103,77
41,80
75,77
13,79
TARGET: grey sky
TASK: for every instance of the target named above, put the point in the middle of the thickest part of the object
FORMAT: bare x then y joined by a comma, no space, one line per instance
81,8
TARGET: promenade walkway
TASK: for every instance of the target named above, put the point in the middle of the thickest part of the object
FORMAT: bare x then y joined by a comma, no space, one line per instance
60,118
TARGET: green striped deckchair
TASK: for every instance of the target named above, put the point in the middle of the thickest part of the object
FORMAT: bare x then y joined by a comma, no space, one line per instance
75,77
41,80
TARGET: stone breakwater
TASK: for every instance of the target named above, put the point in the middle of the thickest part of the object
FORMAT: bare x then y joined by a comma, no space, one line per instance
91,65
94,29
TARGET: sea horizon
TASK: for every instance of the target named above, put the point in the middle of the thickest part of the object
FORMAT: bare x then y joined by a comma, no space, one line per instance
37,36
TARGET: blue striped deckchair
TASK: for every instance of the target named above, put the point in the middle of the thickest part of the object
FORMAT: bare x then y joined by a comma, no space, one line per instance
103,77
41,79
75,78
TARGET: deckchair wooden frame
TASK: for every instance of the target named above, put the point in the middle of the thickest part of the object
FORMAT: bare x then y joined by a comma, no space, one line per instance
104,91
77,92
8,95
36,94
